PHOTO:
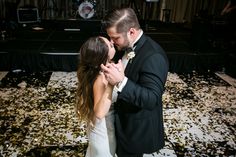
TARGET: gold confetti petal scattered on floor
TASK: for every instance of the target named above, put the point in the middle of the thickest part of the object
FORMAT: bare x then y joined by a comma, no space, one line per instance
37,116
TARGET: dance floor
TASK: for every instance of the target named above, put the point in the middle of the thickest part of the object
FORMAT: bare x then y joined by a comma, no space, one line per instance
37,115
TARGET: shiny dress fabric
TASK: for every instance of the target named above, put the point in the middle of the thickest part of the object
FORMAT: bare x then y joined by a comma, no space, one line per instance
101,136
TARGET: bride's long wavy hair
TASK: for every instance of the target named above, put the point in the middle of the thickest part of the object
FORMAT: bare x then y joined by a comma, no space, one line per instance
92,54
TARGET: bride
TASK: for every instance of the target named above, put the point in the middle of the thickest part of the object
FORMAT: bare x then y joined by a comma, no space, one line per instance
94,97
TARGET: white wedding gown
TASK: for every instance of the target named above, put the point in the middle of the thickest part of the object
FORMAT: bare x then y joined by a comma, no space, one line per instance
101,137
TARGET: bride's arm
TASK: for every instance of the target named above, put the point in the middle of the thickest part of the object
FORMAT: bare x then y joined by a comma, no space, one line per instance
102,92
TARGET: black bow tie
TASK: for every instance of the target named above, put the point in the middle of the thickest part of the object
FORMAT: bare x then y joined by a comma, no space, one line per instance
129,49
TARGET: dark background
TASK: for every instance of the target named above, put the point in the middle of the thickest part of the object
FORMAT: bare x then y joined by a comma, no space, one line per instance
193,33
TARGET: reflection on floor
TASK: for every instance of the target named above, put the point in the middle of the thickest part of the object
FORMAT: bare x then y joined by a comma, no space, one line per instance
37,116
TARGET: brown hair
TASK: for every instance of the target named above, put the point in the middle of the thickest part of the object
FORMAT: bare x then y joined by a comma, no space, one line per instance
93,53
123,19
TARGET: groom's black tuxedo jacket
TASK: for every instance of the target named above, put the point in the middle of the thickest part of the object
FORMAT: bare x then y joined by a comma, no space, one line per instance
139,118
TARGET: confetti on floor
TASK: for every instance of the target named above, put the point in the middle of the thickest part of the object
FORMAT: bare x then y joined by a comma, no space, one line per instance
37,115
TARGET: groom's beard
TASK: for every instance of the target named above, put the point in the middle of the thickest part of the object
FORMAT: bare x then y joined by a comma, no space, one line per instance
125,46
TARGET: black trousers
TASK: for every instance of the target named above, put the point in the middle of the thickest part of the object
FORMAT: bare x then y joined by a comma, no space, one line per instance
121,153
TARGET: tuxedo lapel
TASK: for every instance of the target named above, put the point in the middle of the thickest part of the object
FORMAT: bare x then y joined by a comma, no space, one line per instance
137,57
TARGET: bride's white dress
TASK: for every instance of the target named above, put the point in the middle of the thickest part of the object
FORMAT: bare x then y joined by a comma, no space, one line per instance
101,137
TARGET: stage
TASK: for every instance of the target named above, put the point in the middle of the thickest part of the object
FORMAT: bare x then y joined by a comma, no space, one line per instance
55,47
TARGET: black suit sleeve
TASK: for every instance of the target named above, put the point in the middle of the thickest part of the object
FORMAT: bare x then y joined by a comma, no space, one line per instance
147,90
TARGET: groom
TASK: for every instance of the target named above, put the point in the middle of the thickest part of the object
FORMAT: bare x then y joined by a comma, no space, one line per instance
139,78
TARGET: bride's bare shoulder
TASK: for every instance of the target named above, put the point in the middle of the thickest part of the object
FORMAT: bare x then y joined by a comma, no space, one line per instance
100,80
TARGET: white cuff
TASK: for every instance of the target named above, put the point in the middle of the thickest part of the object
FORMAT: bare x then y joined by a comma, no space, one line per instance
120,86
